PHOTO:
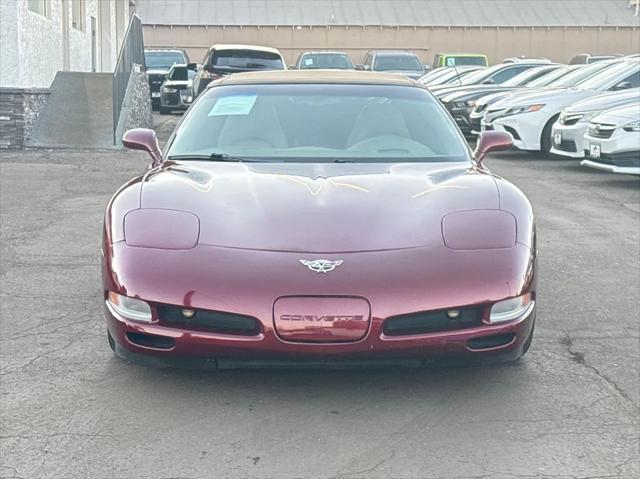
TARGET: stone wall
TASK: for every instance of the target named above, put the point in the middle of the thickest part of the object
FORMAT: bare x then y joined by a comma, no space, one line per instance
19,108
136,107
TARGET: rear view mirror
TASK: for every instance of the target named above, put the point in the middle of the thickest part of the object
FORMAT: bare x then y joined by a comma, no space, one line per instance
492,141
143,139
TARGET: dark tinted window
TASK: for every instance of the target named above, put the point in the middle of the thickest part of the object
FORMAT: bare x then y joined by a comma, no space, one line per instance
397,62
633,79
246,60
451,61
163,59
502,76
181,74
315,61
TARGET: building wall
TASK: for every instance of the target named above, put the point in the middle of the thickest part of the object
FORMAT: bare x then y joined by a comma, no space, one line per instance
31,49
557,44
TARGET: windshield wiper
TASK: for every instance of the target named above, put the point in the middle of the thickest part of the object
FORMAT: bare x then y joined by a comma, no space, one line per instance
212,156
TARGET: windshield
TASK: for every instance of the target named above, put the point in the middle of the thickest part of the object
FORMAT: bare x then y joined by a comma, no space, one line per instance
246,60
603,79
397,62
524,77
336,61
181,74
451,61
481,75
580,74
547,79
319,123
163,59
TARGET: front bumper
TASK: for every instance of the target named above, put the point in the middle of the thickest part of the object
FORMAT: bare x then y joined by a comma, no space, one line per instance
209,350
620,153
568,140
525,128
176,100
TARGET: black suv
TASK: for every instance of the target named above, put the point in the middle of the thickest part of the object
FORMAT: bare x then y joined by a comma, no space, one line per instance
159,61
222,60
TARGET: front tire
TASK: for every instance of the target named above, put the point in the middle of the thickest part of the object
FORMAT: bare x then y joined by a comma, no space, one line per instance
112,343
545,139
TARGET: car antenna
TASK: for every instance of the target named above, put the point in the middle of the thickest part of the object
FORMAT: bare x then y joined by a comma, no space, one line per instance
455,67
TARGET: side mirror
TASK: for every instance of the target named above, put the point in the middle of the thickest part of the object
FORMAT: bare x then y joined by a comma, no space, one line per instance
492,141
192,66
143,139
488,81
624,85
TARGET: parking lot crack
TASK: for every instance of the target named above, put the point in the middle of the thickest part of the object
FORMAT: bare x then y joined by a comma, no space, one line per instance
578,358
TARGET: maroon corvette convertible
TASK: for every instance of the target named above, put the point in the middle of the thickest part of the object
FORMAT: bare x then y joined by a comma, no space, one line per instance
318,219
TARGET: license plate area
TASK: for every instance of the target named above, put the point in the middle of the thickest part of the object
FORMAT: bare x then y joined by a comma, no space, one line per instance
594,150
321,319
557,138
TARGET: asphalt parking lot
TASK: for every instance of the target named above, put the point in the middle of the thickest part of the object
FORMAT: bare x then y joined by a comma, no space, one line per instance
70,409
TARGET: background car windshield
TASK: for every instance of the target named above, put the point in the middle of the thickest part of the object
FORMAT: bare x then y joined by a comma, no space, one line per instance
324,60
579,75
320,123
385,63
181,74
547,79
451,61
162,59
604,79
481,75
524,77
246,59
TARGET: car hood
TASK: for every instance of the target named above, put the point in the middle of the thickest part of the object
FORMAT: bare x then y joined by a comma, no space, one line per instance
620,115
559,97
319,207
468,93
605,101
178,82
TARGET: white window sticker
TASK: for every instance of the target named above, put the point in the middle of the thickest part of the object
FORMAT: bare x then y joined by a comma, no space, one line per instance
233,105
308,62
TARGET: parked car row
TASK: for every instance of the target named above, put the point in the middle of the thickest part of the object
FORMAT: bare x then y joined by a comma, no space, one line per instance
589,110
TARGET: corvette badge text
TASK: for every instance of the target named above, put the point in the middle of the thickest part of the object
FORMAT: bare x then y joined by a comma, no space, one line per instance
314,318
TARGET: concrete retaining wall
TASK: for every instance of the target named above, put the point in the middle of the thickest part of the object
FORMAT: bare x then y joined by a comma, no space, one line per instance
19,109
136,106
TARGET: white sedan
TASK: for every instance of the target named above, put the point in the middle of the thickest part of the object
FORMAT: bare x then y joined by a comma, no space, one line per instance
568,132
529,118
613,140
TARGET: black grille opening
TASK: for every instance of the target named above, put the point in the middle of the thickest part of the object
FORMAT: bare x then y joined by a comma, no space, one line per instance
488,342
432,321
151,340
212,321
513,132
567,145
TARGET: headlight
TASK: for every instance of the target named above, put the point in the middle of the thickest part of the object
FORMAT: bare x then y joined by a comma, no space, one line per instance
471,103
517,110
634,126
167,89
510,309
129,308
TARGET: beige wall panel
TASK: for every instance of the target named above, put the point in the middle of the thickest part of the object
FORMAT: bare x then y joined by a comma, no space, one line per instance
556,44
